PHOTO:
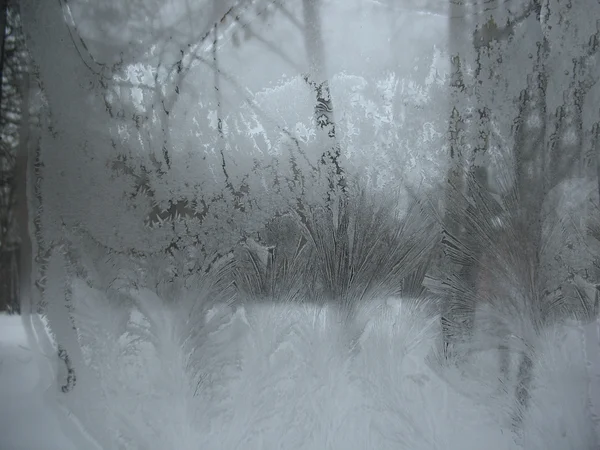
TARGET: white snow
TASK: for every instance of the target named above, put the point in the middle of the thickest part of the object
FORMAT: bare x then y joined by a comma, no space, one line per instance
281,382
28,421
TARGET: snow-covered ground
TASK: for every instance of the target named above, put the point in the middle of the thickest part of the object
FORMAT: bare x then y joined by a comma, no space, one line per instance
28,419
277,378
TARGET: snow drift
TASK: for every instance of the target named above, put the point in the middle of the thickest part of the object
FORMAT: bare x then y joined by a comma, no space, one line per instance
274,376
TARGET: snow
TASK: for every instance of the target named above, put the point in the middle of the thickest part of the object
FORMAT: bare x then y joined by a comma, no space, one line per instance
283,382
28,421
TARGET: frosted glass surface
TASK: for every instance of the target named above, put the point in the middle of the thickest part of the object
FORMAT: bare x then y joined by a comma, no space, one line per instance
305,224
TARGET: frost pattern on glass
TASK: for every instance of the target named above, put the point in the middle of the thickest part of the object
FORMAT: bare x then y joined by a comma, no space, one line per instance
318,223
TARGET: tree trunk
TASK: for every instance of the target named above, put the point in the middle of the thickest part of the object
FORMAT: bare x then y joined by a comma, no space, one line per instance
2,42
21,204
324,111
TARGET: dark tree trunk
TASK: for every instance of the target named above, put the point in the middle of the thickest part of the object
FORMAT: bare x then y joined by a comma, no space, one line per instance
21,203
324,110
3,14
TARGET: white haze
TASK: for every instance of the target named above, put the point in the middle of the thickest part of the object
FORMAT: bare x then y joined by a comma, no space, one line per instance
278,377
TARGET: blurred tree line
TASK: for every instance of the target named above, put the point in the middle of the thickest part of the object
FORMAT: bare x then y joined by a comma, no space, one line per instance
19,92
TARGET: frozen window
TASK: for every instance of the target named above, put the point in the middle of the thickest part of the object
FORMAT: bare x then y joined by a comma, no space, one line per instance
306,223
